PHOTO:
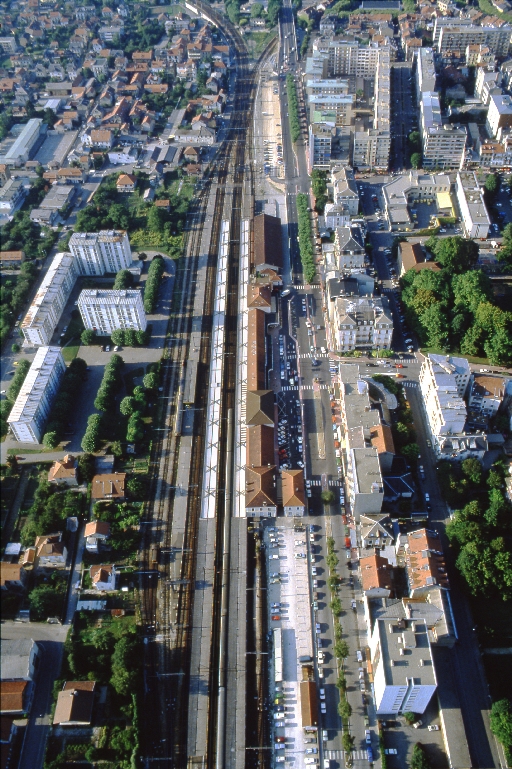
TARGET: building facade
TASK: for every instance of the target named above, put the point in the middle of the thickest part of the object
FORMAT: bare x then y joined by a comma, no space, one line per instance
99,252
33,404
443,383
44,313
106,311
475,219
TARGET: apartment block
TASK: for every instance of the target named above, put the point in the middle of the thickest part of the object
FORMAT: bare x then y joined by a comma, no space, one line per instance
425,566
12,195
425,70
499,115
371,149
404,678
99,252
321,136
487,85
33,404
447,21
454,40
443,145
349,249
105,311
44,313
475,219
345,189
443,383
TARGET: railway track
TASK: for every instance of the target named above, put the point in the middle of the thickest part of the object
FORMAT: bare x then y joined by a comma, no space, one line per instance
167,654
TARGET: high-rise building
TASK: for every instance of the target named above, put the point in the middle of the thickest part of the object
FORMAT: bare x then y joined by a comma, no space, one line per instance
99,252
33,404
44,313
443,382
475,219
425,70
443,145
105,311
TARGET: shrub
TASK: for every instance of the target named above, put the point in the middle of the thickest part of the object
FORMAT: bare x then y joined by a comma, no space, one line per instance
305,239
91,439
293,108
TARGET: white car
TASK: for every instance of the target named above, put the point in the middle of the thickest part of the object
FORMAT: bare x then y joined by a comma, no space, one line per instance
311,750
323,708
433,728
322,694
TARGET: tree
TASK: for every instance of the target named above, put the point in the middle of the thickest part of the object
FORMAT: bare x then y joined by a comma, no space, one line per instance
125,665
135,429
143,337
415,140
501,724
150,381
86,467
256,10
156,219
471,288
410,718
492,185
44,601
416,159
327,497
15,348
341,650
128,405
456,254
411,452
117,336
472,469
344,709
88,336
51,440
116,449
419,759
124,279
347,740
137,487
91,439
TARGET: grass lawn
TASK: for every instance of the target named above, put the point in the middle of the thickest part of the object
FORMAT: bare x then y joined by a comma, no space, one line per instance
487,7
70,352
257,41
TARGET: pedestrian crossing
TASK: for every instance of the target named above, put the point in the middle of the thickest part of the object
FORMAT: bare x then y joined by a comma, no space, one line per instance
314,355
337,484
294,388
409,384
360,755
306,287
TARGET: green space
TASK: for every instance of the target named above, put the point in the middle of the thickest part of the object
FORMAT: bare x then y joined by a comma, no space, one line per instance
481,526
305,238
257,41
106,650
293,108
319,187
454,309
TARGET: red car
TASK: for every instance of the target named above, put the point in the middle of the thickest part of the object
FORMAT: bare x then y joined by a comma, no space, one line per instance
275,618
399,365
280,739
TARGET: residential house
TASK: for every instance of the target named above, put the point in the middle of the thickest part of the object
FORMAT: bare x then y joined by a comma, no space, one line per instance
349,248
103,576
108,486
96,532
51,551
126,183
12,577
376,576
19,658
260,492
424,562
64,472
9,259
14,697
75,704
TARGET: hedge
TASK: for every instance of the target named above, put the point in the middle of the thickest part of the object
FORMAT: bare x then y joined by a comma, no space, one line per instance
17,381
305,238
155,272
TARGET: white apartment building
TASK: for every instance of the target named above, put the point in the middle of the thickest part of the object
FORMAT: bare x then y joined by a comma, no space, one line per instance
105,311
44,313
425,70
486,395
371,149
33,404
475,219
99,252
447,21
443,383
499,114
12,195
443,145
364,481
321,136
487,84
362,322
403,668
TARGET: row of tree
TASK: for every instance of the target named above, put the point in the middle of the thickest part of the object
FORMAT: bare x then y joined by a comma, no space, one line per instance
134,406
155,272
453,308
307,254
13,294
127,337
110,386
319,187
481,530
293,108
65,402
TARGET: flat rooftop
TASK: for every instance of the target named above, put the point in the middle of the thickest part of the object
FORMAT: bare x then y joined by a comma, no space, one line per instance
405,651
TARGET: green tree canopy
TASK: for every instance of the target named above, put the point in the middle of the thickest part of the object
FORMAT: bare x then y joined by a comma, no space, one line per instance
124,279
88,336
416,159
150,381
419,759
501,722
456,254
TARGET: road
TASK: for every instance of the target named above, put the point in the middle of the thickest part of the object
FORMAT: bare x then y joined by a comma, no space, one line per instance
403,118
